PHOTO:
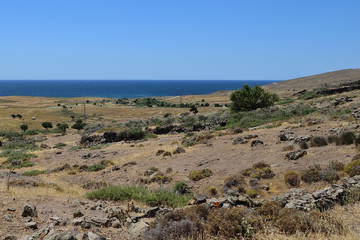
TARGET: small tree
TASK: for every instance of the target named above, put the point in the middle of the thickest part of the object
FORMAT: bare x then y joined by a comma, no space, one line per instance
24,127
13,116
62,127
194,109
19,116
248,99
78,125
47,125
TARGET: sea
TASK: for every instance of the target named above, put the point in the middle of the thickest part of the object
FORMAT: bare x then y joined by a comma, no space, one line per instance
120,88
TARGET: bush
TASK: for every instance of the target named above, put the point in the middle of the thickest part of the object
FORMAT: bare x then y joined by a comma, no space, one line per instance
46,125
213,191
181,187
270,210
60,145
318,141
95,168
247,98
131,134
336,165
347,138
312,174
329,175
34,172
200,174
252,193
303,145
353,168
141,194
292,178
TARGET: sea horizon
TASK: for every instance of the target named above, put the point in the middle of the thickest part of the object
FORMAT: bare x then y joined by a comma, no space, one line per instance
120,88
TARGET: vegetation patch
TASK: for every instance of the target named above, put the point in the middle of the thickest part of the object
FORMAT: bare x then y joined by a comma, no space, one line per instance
292,179
35,172
140,193
200,174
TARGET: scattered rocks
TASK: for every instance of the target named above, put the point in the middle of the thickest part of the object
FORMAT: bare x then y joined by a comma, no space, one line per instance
295,154
240,140
31,225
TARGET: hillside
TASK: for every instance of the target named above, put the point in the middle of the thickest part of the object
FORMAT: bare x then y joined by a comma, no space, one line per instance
310,82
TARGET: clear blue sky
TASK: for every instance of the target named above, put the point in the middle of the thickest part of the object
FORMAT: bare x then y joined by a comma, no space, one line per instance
183,39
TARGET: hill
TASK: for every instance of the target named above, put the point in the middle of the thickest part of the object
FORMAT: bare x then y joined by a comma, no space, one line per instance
310,82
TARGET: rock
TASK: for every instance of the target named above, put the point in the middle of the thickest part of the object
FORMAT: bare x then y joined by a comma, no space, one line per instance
41,233
93,236
152,212
43,145
29,210
10,238
179,150
98,221
11,209
200,198
78,221
62,236
159,214
115,168
78,214
85,225
295,154
136,230
250,136
257,142
31,225
240,140
287,136
8,217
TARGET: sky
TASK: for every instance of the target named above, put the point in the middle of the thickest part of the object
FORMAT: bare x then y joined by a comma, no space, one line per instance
169,39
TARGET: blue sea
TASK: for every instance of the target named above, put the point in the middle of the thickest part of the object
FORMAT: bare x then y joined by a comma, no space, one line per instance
119,88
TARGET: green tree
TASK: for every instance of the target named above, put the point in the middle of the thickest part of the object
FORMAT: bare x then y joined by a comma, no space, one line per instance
79,124
62,127
19,116
47,125
24,127
194,109
13,116
248,98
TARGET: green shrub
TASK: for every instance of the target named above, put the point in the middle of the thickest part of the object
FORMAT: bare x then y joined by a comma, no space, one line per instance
100,146
131,134
34,172
141,194
181,187
353,168
252,193
200,174
95,168
292,178
318,141
190,134
60,145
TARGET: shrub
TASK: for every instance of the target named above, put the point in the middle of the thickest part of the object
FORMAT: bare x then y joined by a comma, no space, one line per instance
318,141
24,127
46,125
95,168
329,175
60,145
181,187
131,134
270,210
62,127
200,174
353,168
336,165
334,139
288,148
141,194
160,152
94,185
252,193
347,138
213,191
261,165
303,145
167,153
34,172
312,174
247,98
79,125
292,178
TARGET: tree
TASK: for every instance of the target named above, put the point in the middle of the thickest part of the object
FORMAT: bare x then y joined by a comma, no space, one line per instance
62,127
248,99
13,116
24,127
19,116
78,125
47,125
194,109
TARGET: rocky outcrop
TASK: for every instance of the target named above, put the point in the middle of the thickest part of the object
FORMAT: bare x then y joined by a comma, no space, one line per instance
295,155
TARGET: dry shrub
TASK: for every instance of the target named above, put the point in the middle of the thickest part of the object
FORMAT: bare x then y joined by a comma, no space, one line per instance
312,174
94,185
336,165
160,152
303,145
270,210
213,191
318,141
356,157
288,148
233,181
292,178
347,138
252,193
261,165
292,221
329,175
232,223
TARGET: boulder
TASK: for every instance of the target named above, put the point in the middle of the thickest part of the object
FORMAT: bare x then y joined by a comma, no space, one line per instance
295,154
29,210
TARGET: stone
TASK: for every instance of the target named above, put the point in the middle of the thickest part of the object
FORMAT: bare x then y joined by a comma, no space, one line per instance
200,198
10,238
40,234
98,221
31,225
152,212
287,136
294,155
78,214
11,209
240,140
62,236
78,221
115,168
257,142
85,225
8,217
136,230
29,210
